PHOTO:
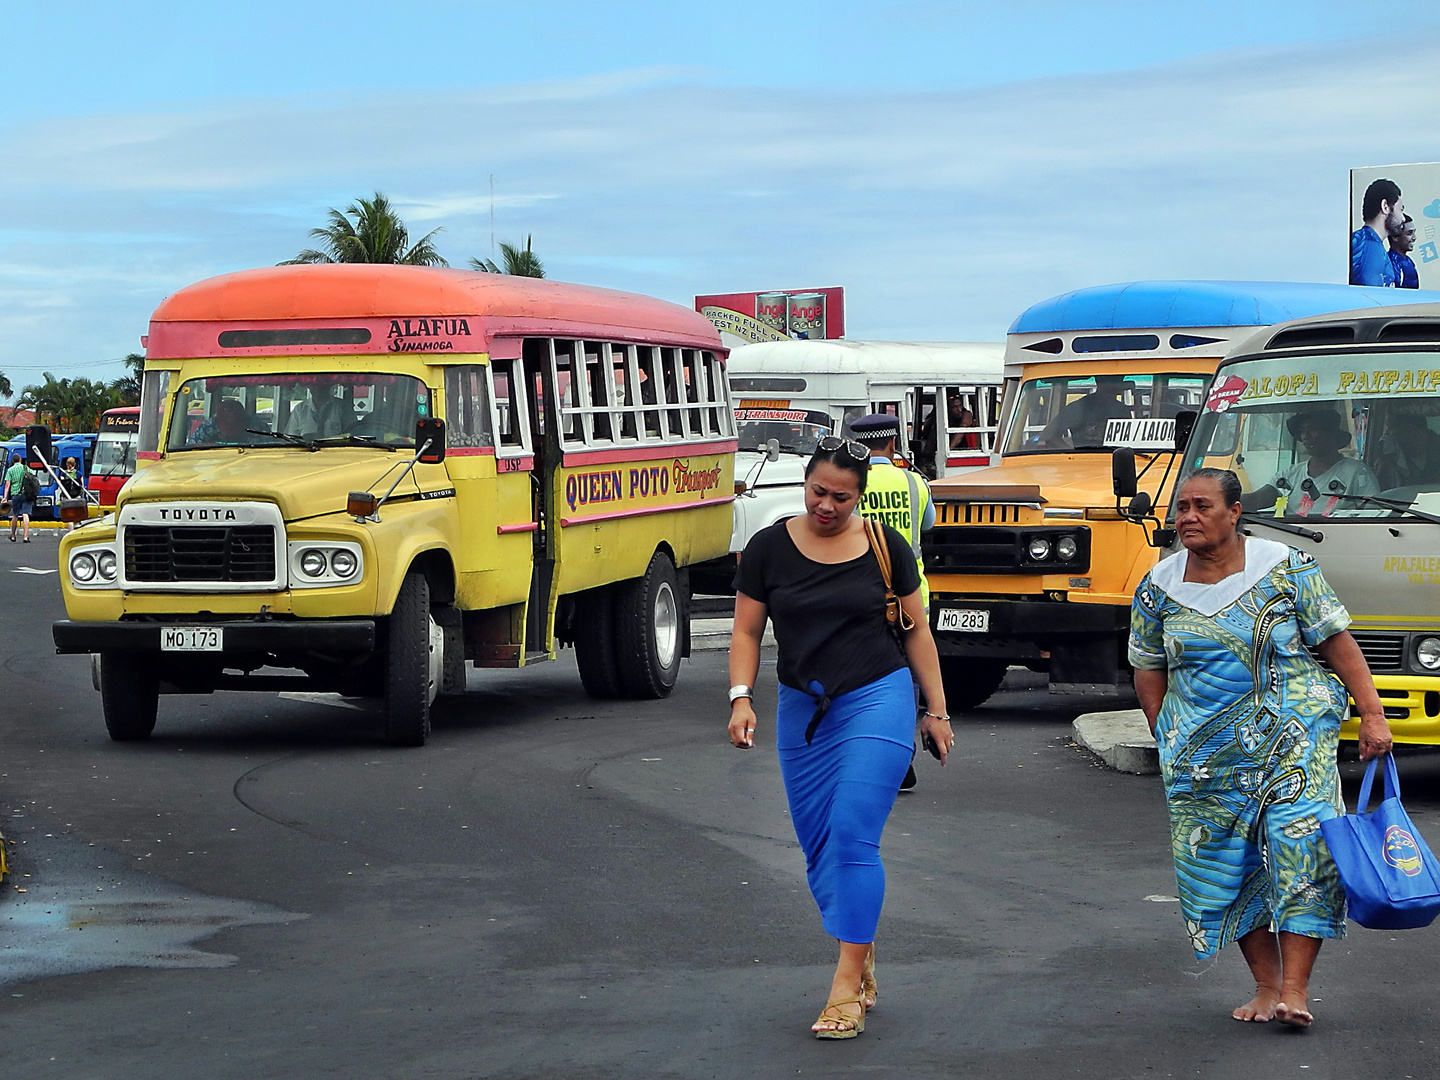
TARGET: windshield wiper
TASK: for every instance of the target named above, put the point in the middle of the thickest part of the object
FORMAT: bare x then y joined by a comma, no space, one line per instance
353,440
1251,518
296,439
1389,504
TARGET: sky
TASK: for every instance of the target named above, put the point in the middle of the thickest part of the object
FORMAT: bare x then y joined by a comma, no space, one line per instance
948,164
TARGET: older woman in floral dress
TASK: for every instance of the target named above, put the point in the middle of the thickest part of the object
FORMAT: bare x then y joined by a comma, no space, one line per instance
1247,724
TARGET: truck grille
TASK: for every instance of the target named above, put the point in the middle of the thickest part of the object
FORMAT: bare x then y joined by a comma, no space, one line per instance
984,549
948,513
199,553
1383,652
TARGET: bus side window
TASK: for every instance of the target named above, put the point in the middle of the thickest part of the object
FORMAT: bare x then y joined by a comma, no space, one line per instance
598,388
648,364
721,418
467,413
567,391
622,367
670,383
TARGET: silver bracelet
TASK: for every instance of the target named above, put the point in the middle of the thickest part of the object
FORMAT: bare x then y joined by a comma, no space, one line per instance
937,716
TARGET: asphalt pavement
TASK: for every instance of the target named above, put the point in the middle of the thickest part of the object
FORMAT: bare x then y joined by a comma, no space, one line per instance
556,886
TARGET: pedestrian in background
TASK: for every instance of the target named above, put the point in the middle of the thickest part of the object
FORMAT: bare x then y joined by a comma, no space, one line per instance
71,486
900,498
845,715
1247,724
20,488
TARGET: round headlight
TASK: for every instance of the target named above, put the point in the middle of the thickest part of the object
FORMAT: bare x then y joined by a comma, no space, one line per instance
343,562
312,563
1039,549
1066,548
1427,651
106,564
82,568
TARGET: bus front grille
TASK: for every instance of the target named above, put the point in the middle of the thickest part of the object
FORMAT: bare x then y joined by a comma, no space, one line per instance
1385,653
157,553
951,513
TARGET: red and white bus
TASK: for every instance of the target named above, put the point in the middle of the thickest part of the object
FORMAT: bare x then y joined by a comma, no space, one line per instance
115,444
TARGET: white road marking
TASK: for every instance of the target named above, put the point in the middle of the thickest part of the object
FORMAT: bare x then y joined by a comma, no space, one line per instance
30,570
322,699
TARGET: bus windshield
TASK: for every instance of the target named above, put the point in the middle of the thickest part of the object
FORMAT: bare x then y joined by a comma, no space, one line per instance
114,454
796,430
1080,412
340,408
1337,437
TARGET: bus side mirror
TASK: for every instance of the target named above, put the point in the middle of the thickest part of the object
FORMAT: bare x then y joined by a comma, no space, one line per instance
1122,472
37,446
74,510
1184,425
431,430
772,450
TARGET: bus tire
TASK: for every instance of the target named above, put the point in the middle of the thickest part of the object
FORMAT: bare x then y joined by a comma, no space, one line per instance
969,683
648,630
407,665
595,643
129,695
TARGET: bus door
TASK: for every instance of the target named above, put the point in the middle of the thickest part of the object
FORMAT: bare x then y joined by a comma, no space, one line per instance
540,380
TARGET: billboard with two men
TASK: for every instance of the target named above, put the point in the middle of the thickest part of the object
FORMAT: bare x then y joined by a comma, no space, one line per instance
1395,226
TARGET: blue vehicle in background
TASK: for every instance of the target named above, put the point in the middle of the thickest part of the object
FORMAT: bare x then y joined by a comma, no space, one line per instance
79,447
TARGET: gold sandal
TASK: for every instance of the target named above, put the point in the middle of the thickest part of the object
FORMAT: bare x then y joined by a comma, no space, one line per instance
856,1023
869,992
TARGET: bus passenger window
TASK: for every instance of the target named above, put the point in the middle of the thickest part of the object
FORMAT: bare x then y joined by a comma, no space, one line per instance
692,389
623,389
645,361
720,416
567,391
670,383
509,407
597,380
467,413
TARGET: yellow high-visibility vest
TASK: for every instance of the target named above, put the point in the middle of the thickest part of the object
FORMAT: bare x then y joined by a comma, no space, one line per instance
898,497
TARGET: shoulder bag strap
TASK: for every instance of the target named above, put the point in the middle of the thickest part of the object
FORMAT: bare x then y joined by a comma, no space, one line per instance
894,612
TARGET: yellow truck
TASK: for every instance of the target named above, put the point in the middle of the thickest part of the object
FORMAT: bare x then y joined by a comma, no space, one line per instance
357,478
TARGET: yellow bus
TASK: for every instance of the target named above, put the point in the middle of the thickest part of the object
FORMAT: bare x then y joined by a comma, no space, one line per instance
1033,561
365,476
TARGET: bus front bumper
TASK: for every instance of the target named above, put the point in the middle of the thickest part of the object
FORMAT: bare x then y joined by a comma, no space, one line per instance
1080,644
285,637
1412,706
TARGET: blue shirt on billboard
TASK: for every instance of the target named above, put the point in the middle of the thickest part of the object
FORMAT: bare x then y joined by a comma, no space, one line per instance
1406,276
1369,261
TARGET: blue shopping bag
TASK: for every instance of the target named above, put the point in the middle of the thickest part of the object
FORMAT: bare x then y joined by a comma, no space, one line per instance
1392,879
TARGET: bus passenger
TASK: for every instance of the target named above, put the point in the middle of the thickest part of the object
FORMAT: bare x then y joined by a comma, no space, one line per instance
1322,477
322,414
226,426
1412,453
1082,422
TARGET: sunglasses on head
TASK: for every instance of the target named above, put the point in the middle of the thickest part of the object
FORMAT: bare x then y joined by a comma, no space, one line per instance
831,443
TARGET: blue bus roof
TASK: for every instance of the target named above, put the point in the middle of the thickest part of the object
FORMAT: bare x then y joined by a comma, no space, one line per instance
1143,304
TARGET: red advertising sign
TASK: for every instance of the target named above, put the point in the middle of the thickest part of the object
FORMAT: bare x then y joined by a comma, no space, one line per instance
775,316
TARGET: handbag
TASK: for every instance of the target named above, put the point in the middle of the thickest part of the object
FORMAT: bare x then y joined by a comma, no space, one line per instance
899,622
1390,876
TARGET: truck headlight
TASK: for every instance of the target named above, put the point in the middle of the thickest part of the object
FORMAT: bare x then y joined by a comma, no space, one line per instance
1039,549
1427,652
313,563
106,566
343,563
82,568
1066,548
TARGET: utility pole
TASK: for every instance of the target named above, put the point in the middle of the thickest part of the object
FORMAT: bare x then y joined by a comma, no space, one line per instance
492,216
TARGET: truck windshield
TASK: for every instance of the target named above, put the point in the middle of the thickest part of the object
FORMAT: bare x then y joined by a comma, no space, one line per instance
1101,412
1335,437
275,409
796,430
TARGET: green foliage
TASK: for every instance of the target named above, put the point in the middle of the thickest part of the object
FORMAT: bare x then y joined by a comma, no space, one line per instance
127,387
5,390
376,235
519,262
68,405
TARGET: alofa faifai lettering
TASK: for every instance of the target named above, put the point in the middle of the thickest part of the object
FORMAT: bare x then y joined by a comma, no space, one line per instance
429,326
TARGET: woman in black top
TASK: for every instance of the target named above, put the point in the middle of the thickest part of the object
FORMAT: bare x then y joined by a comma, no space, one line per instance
845,723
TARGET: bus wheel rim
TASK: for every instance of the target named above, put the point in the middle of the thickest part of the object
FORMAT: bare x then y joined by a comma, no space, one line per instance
667,625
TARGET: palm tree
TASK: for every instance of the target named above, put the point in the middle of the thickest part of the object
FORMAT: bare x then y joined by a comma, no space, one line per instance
518,262
127,387
5,390
376,235
68,404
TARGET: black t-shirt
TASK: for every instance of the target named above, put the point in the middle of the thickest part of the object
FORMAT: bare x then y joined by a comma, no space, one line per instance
829,618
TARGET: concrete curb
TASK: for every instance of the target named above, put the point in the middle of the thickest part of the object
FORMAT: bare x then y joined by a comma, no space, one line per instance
714,634
1122,740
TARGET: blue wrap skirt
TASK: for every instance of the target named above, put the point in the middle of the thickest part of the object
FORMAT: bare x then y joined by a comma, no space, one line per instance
841,787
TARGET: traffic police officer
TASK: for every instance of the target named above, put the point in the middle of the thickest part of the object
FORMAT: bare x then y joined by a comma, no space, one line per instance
898,497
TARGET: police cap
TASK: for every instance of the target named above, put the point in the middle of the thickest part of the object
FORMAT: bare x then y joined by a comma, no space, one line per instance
875,427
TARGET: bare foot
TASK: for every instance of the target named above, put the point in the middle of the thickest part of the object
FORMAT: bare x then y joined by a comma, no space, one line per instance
1261,1007
1294,1009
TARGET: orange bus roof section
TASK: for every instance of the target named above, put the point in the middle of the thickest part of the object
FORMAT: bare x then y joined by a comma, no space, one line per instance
393,302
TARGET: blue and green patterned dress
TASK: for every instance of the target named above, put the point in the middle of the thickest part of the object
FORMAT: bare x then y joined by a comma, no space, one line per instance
1247,736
